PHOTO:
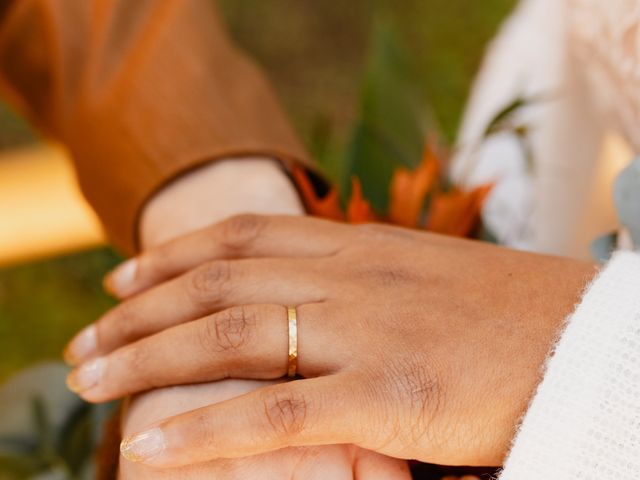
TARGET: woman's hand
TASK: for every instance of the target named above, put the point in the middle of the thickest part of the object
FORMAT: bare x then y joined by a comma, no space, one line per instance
335,462
415,345
209,194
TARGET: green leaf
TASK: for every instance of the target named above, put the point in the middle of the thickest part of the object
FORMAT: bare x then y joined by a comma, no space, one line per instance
502,120
391,128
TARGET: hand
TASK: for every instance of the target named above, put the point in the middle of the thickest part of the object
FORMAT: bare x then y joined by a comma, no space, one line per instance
214,192
416,345
195,200
336,462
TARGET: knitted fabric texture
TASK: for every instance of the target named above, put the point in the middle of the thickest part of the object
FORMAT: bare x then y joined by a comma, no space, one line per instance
584,420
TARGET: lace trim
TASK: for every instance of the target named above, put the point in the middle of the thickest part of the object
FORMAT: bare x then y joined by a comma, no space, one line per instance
605,39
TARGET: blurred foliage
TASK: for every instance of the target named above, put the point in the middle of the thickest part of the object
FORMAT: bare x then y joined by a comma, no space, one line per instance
14,130
390,130
342,69
317,53
43,304
47,432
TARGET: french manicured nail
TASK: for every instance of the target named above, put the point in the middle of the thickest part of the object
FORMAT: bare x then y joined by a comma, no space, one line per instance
121,281
143,446
86,376
82,346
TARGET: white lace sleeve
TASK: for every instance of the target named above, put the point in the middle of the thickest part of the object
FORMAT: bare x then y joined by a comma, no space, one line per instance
579,60
526,60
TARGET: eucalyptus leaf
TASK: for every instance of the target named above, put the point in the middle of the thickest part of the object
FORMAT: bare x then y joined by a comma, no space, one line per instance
627,199
603,247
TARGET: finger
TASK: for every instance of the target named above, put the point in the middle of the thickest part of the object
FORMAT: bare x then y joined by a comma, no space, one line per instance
207,289
242,342
319,411
375,466
238,237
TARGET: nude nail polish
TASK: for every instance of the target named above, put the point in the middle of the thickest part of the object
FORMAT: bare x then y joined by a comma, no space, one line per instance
86,376
83,345
143,446
120,282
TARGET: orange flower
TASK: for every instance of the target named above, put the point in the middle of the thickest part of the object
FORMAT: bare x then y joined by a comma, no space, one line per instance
325,207
457,212
359,209
410,188
454,212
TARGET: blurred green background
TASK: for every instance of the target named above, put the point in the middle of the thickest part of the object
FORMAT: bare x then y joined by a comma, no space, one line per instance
320,56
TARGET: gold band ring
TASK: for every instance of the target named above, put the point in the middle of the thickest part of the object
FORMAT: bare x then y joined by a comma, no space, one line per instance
292,365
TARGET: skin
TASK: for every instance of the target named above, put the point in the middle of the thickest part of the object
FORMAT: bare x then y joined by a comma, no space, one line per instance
205,196
337,462
412,345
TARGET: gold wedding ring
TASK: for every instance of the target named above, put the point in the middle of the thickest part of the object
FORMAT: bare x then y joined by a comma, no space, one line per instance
292,365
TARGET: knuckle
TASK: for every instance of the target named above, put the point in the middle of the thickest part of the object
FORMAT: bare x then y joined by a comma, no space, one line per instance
239,231
210,280
286,413
230,329
414,386
417,383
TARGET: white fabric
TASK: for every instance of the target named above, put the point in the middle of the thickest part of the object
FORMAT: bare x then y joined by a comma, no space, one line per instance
584,421
583,58
542,52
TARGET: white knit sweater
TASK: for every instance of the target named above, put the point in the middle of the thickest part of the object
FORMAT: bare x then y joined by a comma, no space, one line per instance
584,421
584,57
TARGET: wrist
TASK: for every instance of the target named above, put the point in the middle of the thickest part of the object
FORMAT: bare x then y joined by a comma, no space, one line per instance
216,191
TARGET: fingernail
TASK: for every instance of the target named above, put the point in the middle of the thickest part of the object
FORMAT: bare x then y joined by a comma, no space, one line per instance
86,376
143,446
82,346
120,282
